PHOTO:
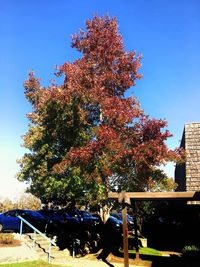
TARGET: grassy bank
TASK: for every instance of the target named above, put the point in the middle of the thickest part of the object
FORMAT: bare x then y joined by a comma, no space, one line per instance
147,251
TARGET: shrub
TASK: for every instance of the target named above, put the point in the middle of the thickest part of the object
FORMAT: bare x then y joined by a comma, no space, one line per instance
191,248
192,252
6,238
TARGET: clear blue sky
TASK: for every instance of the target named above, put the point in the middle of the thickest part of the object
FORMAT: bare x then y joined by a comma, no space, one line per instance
35,35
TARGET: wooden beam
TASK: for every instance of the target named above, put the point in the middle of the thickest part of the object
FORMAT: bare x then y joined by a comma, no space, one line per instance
155,195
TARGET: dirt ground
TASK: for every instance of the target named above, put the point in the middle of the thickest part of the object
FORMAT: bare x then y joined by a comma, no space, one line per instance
15,243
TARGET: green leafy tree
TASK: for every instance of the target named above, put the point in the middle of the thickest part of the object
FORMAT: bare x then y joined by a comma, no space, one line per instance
85,137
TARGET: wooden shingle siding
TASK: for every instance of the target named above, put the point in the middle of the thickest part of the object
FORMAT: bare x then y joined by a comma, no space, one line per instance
187,175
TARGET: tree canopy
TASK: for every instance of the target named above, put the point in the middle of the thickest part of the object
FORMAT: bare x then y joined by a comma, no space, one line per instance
86,136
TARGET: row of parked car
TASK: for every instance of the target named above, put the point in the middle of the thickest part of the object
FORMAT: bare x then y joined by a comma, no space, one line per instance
49,221
70,227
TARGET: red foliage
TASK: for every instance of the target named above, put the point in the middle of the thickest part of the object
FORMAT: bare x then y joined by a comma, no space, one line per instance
118,132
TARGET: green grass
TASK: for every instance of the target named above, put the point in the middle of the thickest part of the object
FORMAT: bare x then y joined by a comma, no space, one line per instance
30,264
147,251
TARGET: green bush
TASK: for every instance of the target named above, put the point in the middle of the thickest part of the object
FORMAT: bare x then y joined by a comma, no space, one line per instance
191,248
191,252
6,238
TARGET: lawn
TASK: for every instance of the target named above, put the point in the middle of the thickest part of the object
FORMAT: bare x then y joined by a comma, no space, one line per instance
147,251
30,264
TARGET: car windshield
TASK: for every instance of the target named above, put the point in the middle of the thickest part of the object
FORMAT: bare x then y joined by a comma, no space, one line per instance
10,213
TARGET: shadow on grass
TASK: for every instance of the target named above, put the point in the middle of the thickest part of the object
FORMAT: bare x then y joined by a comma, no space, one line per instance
171,261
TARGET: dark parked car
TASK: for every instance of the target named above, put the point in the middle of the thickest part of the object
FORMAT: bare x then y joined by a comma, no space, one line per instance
91,230
130,221
118,215
10,222
117,223
87,220
59,220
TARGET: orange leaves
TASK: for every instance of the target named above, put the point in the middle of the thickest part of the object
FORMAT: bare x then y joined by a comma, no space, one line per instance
105,136
101,37
106,133
81,154
104,57
120,111
32,88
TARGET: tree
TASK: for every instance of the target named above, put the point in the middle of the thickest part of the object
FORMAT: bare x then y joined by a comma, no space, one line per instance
28,201
85,135
6,204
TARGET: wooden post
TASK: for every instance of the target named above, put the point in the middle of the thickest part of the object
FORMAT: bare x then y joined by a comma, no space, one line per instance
125,236
136,231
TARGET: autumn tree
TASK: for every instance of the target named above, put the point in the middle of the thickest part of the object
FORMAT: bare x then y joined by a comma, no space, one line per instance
28,201
6,205
85,137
